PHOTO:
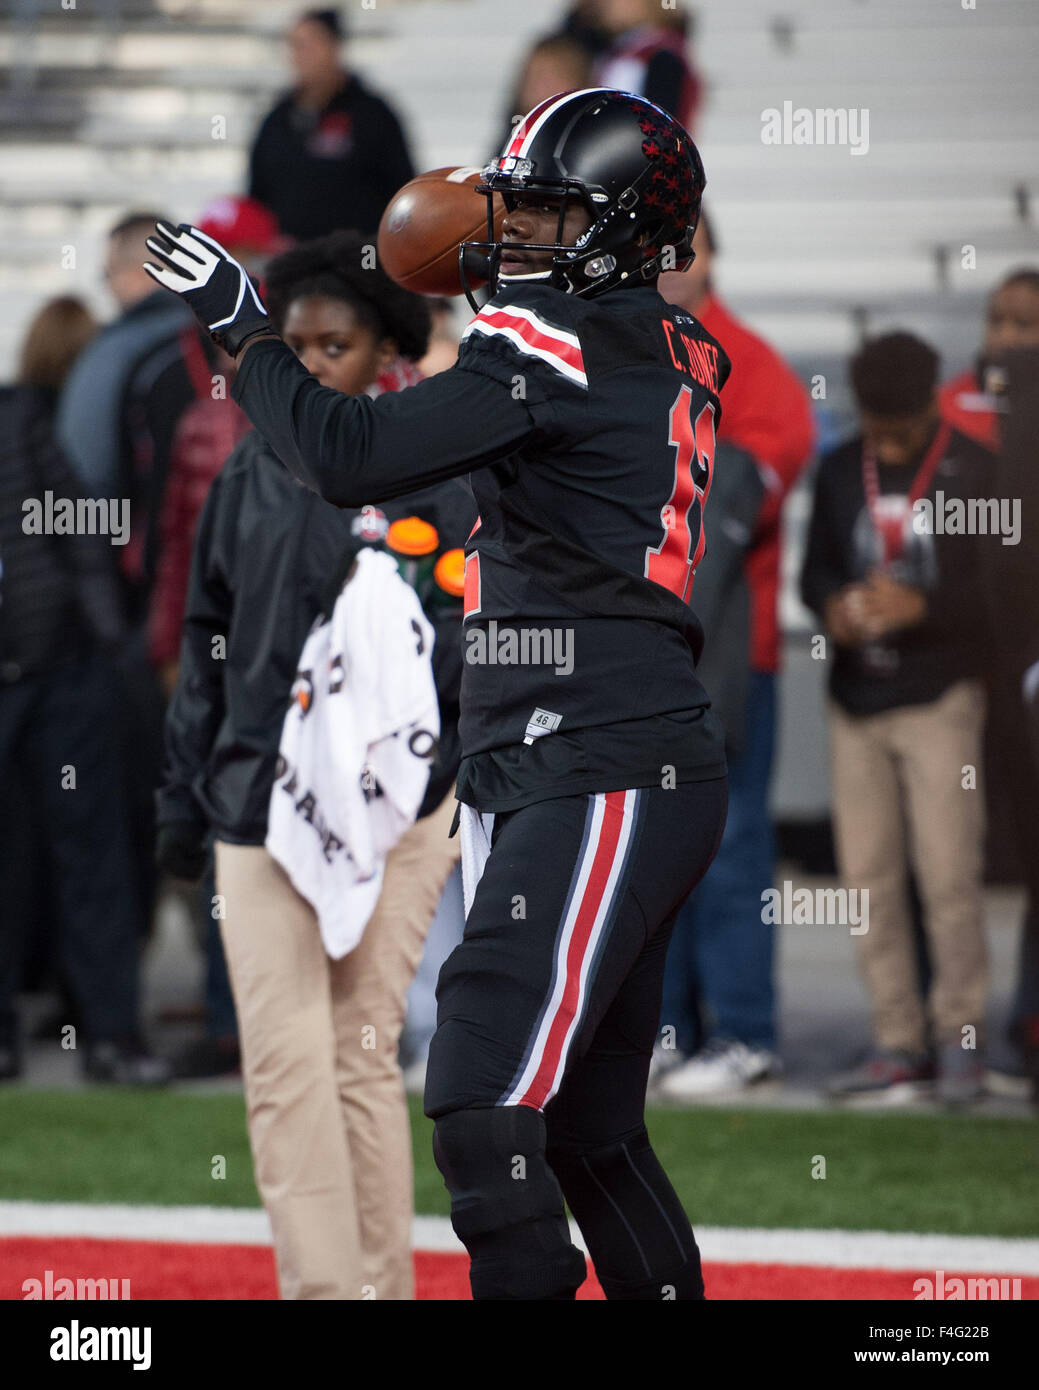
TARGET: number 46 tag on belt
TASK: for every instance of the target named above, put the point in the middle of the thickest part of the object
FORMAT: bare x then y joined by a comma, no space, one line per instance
540,723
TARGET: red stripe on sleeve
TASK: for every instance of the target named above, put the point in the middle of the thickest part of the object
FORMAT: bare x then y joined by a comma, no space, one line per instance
543,342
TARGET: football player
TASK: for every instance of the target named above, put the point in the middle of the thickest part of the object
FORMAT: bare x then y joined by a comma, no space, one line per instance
593,781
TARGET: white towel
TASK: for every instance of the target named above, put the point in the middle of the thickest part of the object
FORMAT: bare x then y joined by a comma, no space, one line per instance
364,717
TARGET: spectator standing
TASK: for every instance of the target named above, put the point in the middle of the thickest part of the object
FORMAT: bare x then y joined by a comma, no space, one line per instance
721,947
649,55
118,416
723,605
632,45
331,154
1012,595
206,433
119,408
60,621
902,605
1011,322
1004,378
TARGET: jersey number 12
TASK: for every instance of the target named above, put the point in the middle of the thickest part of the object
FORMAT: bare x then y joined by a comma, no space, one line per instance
673,562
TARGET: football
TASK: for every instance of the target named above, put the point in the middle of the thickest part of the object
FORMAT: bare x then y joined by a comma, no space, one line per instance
425,222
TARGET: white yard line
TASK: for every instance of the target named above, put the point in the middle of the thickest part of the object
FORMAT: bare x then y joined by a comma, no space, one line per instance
869,1250
728,1244
208,1225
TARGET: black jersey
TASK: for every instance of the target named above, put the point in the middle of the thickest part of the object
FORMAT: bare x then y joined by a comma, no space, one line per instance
588,428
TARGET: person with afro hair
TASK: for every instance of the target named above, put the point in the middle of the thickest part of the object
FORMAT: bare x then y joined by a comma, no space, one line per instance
362,330
327,1116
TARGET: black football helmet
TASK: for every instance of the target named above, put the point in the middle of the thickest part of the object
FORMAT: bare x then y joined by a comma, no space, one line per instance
632,167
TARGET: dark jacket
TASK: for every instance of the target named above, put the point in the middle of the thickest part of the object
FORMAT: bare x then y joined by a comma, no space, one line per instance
917,665
118,416
270,556
59,598
1011,572
319,171
721,594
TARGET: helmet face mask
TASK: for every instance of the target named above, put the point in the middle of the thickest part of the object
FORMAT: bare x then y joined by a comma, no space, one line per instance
631,168
516,190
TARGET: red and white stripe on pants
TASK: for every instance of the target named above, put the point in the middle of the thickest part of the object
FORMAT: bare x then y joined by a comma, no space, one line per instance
596,882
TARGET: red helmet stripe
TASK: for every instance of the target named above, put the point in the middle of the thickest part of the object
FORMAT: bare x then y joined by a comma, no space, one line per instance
534,120
524,126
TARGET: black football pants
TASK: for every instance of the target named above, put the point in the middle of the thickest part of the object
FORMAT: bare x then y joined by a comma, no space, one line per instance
547,1016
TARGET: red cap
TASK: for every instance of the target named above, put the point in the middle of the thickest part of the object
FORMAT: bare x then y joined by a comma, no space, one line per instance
242,224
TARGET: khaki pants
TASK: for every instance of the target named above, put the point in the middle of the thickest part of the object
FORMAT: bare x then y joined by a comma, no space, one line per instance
328,1120
899,799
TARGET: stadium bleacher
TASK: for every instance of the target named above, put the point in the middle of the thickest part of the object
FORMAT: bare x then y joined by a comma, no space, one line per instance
114,104
154,103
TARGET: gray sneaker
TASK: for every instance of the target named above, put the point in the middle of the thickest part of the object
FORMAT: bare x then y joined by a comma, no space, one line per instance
961,1075
891,1076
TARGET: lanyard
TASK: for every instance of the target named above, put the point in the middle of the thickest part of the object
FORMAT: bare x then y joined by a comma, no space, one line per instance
891,529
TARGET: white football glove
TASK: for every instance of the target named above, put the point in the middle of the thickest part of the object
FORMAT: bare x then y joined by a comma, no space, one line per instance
217,288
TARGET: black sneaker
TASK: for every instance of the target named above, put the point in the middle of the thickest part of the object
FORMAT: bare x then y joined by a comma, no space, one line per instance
207,1058
125,1064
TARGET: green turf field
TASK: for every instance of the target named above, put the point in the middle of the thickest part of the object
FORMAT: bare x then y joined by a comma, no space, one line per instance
957,1175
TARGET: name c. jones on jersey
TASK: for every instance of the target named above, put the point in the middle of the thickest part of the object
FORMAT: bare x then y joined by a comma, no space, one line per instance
521,646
